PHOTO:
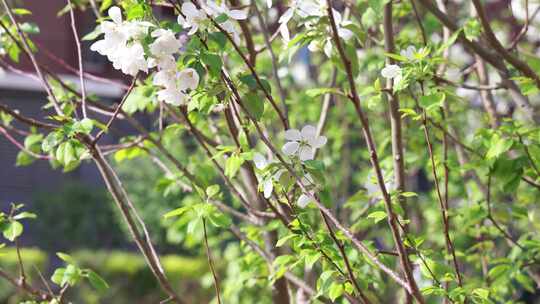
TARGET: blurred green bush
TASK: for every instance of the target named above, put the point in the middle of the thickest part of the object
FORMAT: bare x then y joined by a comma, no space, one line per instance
83,216
130,280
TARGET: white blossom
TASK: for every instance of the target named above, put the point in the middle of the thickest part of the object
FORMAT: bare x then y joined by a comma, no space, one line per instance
303,143
213,9
124,55
260,161
188,79
268,187
172,96
194,17
408,52
391,71
131,60
165,45
303,8
304,200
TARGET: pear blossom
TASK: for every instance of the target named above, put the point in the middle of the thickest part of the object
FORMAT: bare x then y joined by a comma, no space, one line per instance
128,57
165,45
213,9
172,96
392,71
175,85
303,8
408,52
131,60
194,17
189,79
114,35
303,143
260,161
304,200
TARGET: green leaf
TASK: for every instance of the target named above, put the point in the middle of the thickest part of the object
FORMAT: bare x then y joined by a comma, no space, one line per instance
211,191
481,293
248,80
12,230
497,146
232,165
472,29
84,126
58,276
24,159
284,240
427,101
221,18
21,11
66,258
498,271
176,212
135,11
254,105
92,35
213,62
335,291
97,281
24,215
377,216
105,5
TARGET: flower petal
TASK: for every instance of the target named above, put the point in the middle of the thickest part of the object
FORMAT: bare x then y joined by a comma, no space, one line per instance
293,135
238,14
344,33
116,14
189,9
259,160
328,48
286,16
318,142
303,201
290,148
391,71
189,79
284,31
306,153
309,132
268,187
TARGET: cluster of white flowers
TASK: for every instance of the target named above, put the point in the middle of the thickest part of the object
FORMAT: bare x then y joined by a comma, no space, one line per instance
302,8
303,143
314,8
122,46
120,43
343,32
267,182
196,19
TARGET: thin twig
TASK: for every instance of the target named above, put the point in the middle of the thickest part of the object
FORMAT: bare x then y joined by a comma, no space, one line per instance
79,55
210,262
